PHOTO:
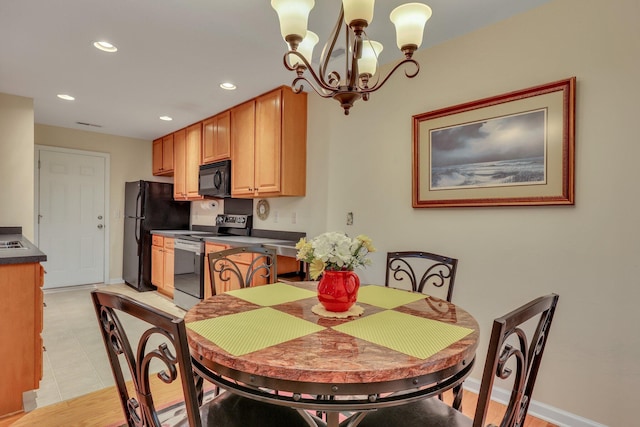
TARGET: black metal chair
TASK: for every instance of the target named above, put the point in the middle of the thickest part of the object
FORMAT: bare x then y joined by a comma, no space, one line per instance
512,355
224,410
438,271
229,271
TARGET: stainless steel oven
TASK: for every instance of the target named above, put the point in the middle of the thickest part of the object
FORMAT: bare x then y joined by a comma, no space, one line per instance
188,279
189,257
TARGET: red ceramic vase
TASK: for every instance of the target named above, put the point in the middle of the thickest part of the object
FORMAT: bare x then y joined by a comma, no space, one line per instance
338,290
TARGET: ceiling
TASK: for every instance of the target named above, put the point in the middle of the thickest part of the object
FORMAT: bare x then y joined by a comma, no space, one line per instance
173,54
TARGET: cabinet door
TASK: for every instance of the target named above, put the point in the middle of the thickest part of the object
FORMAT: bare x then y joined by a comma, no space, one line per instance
193,144
168,265
211,247
157,266
242,149
267,144
216,138
157,157
179,164
167,153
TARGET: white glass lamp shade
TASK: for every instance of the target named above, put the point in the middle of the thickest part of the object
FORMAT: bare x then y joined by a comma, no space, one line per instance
307,45
409,20
358,10
368,62
293,16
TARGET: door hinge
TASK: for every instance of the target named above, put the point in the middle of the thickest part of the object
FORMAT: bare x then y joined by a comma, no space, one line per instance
38,163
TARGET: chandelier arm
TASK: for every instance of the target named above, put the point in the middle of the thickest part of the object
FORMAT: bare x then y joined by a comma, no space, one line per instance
300,79
306,67
356,53
379,83
325,57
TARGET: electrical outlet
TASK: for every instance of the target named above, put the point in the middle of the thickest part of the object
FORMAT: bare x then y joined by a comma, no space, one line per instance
349,218
294,217
276,215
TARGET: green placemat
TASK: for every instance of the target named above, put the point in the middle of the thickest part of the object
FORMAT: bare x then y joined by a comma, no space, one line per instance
382,296
412,335
242,333
274,294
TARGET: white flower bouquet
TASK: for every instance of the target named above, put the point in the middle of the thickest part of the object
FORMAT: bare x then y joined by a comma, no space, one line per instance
334,251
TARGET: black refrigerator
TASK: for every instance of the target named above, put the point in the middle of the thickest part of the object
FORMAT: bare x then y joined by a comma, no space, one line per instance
148,206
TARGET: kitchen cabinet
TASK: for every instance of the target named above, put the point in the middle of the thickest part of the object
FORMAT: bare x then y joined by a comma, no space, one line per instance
163,156
169,257
162,257
216,138
268,145
157,261
21,306
208,248
187,146
243,121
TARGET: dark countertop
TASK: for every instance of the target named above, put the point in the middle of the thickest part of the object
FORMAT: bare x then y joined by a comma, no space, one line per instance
27,254
173,233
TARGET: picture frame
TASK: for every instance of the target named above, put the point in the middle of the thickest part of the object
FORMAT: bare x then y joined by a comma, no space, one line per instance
514,149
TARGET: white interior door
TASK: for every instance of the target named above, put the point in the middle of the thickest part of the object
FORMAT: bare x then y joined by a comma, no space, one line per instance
72,223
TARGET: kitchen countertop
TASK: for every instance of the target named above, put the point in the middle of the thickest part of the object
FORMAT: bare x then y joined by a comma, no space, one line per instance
29,253
175,233
282,246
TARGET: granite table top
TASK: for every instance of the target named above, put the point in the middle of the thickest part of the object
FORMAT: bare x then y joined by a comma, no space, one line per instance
269,336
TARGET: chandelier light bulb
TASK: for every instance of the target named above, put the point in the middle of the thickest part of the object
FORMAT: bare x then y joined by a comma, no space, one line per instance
410,19
293,16
368,62
306,46
359,11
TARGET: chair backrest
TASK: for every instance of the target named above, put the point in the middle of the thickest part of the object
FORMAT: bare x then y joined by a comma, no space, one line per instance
432,270
242,267
516,357
171,351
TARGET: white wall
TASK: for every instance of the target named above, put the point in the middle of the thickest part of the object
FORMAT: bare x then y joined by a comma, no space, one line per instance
16,148
131,160
588,253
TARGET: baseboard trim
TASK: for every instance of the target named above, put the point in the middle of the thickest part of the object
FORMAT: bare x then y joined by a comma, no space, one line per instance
115,281
537,409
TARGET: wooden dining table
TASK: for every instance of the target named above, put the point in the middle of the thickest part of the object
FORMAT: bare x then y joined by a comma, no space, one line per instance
267,343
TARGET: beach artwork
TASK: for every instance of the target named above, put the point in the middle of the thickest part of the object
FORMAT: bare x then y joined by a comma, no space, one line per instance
497,152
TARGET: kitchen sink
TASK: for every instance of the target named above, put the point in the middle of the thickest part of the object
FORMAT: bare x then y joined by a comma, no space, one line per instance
11,244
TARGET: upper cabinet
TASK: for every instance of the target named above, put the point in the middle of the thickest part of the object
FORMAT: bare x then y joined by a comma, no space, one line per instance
265,138
216,138
269,145
243,135
186,146
163,156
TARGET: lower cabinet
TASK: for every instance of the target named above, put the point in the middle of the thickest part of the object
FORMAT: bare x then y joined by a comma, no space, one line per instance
211,247
21,306
162,256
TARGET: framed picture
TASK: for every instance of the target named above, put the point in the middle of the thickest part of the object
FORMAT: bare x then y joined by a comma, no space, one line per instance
515,149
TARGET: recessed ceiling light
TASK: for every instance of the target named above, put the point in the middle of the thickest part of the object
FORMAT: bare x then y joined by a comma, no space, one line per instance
166,118
227,86
105,46
66,97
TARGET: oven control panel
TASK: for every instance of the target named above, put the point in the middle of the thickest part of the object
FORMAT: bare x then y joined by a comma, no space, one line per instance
232,220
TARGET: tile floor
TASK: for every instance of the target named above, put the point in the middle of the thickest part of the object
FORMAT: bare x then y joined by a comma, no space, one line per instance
75,361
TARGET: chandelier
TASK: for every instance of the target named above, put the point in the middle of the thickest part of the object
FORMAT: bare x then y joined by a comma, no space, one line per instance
361,61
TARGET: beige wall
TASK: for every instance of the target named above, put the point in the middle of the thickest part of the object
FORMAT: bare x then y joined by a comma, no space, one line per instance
16,148
588,253
130,161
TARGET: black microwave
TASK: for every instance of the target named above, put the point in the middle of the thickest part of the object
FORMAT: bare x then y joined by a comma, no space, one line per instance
215,179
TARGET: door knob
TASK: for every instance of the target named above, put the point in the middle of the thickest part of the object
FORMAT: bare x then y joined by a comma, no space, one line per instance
100,226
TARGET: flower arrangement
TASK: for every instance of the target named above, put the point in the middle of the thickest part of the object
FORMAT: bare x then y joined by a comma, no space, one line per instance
334,251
